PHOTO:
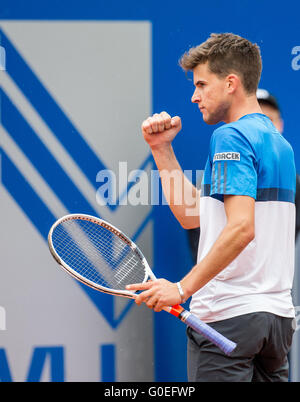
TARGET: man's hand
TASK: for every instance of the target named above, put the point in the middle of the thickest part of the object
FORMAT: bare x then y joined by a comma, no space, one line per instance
160,129
157,294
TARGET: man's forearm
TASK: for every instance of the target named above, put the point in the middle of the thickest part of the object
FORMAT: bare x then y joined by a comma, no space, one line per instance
231,242
181,195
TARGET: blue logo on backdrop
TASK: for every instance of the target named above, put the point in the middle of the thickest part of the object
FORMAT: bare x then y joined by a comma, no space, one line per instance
45,163
55,355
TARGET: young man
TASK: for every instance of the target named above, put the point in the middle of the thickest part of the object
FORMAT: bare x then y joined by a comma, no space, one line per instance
270,107
242,282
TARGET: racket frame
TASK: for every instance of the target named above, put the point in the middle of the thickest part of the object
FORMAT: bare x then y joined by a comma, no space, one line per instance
124,293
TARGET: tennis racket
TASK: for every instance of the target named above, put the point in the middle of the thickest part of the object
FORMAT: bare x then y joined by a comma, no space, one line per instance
102,257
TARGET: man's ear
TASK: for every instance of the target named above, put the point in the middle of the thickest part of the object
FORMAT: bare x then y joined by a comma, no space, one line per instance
232,83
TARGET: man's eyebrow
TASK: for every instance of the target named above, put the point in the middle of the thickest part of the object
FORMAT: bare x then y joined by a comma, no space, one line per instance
200,82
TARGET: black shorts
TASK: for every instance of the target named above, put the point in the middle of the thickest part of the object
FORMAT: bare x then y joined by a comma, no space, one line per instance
263,341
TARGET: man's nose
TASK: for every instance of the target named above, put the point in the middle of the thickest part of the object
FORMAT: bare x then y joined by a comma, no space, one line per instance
195,97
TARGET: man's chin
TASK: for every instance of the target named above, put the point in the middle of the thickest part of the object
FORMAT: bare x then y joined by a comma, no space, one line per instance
210,120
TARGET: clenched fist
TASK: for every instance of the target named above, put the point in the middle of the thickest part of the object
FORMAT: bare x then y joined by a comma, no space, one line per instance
160,129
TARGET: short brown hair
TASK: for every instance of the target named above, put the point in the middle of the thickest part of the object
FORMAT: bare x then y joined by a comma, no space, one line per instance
227,53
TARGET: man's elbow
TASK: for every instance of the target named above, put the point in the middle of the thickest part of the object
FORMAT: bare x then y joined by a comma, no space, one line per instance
190,223
246,233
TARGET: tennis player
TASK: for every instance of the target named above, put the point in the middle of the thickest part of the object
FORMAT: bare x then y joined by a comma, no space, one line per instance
241,284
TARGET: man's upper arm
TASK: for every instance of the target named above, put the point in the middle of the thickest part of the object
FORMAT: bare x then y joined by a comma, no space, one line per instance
240,210
234,177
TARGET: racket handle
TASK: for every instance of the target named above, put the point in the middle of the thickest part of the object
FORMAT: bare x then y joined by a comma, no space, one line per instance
208,332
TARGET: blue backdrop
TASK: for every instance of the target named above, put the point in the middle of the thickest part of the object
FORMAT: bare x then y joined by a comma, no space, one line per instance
177,25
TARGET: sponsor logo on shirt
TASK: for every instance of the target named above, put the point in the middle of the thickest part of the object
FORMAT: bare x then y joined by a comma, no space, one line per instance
227,156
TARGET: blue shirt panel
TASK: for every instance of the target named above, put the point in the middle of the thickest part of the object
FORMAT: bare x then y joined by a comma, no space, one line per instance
250,157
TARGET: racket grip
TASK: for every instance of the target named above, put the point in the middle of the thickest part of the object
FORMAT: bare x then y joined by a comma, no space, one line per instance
208,332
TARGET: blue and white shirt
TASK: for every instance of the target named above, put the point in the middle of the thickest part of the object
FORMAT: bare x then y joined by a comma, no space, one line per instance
249,157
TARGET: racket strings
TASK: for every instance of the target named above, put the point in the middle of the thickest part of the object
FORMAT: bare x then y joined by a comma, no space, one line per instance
97,254
126,270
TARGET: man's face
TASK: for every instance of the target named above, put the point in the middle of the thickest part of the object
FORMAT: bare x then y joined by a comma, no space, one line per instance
210,94
274,116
